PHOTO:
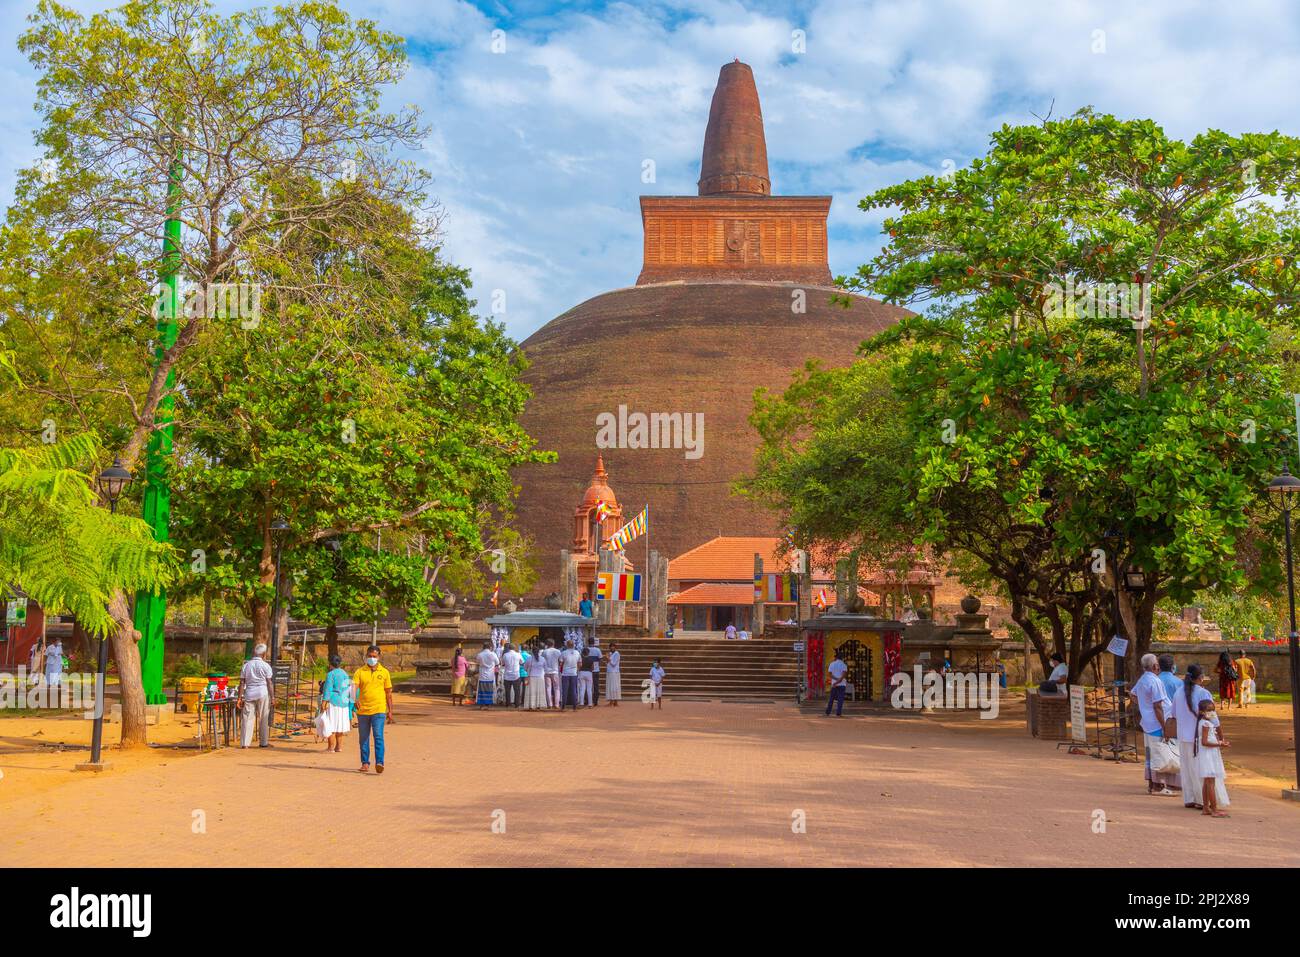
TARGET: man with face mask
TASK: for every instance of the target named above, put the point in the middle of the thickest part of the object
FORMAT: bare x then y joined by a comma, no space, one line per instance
374,707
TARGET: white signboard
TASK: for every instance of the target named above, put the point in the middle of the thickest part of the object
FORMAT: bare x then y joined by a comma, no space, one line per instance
1118,646
1078,714
798,646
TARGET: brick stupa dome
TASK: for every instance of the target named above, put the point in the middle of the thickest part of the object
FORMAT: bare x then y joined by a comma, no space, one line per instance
714,316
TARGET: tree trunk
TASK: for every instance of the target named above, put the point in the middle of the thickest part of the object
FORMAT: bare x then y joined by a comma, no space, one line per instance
1020,615
83,643
260,613
261,610
130,687
332,638
1144,615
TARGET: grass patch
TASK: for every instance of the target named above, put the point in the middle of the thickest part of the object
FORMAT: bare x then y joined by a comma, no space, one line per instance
1272,697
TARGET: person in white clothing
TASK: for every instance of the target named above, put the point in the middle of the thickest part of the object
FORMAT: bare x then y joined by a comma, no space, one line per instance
656,685
511,661
1060,676
1186,710
1209,762
731,631
35,662
613,676
839,687
535,696
54,664
255,701
487,676
551,656
1153,706
570,660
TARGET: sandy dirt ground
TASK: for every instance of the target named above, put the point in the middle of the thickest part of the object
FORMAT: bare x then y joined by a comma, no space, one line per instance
699,783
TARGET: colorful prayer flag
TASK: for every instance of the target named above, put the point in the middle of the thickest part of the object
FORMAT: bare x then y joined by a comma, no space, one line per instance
632,530
618,586
776,588
496,592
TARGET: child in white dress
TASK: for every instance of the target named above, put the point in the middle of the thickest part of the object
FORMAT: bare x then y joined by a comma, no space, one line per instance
1208,748
656,688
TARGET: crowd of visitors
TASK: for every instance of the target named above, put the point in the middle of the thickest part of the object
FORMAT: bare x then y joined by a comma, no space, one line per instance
511,676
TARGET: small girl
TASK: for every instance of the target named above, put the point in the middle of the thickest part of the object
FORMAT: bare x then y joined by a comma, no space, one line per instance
656,685
1207,748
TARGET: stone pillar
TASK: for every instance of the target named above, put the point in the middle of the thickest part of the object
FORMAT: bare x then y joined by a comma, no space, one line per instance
609,612
842,590
568,581
757,624
656,586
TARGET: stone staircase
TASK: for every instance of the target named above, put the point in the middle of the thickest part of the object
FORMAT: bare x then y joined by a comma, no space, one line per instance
698,668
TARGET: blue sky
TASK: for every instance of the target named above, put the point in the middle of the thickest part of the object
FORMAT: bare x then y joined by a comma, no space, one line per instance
536,152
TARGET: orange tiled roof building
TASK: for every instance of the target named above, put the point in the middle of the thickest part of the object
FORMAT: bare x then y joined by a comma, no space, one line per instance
734,294
712,585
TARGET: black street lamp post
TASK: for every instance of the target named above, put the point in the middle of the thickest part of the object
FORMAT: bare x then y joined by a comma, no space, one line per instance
1282,489
278,528
111,483
1115,536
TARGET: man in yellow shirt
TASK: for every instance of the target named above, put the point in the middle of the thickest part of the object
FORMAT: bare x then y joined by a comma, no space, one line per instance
374,707
1245,680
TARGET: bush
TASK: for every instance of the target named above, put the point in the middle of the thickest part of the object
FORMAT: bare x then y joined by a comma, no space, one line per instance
188,666
227,662
316,667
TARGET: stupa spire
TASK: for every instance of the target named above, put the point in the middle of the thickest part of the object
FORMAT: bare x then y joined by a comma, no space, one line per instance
735,150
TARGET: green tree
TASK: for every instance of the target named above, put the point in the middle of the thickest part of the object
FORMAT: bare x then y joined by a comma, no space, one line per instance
1110,309
246,108
347,578
400,421
59,547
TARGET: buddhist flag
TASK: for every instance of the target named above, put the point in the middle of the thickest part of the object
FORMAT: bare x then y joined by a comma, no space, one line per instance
632,530
776,588
618,586
820,599
496,592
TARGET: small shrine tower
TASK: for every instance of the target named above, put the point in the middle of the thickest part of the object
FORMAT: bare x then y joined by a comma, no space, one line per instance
591,529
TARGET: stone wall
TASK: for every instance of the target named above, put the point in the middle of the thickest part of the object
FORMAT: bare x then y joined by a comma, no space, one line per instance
1272,662
398,649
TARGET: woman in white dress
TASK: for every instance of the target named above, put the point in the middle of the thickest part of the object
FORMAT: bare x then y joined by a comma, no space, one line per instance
535,692
613,677
336,696
1209,762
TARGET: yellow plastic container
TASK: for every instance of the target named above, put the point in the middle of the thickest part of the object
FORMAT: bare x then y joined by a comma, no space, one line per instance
189,691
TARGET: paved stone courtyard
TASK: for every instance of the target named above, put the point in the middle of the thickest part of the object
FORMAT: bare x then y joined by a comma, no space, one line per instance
696,784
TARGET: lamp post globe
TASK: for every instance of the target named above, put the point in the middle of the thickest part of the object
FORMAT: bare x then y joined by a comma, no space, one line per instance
112,482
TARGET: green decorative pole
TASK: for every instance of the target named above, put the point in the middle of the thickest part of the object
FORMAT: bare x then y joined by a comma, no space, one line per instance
151,608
